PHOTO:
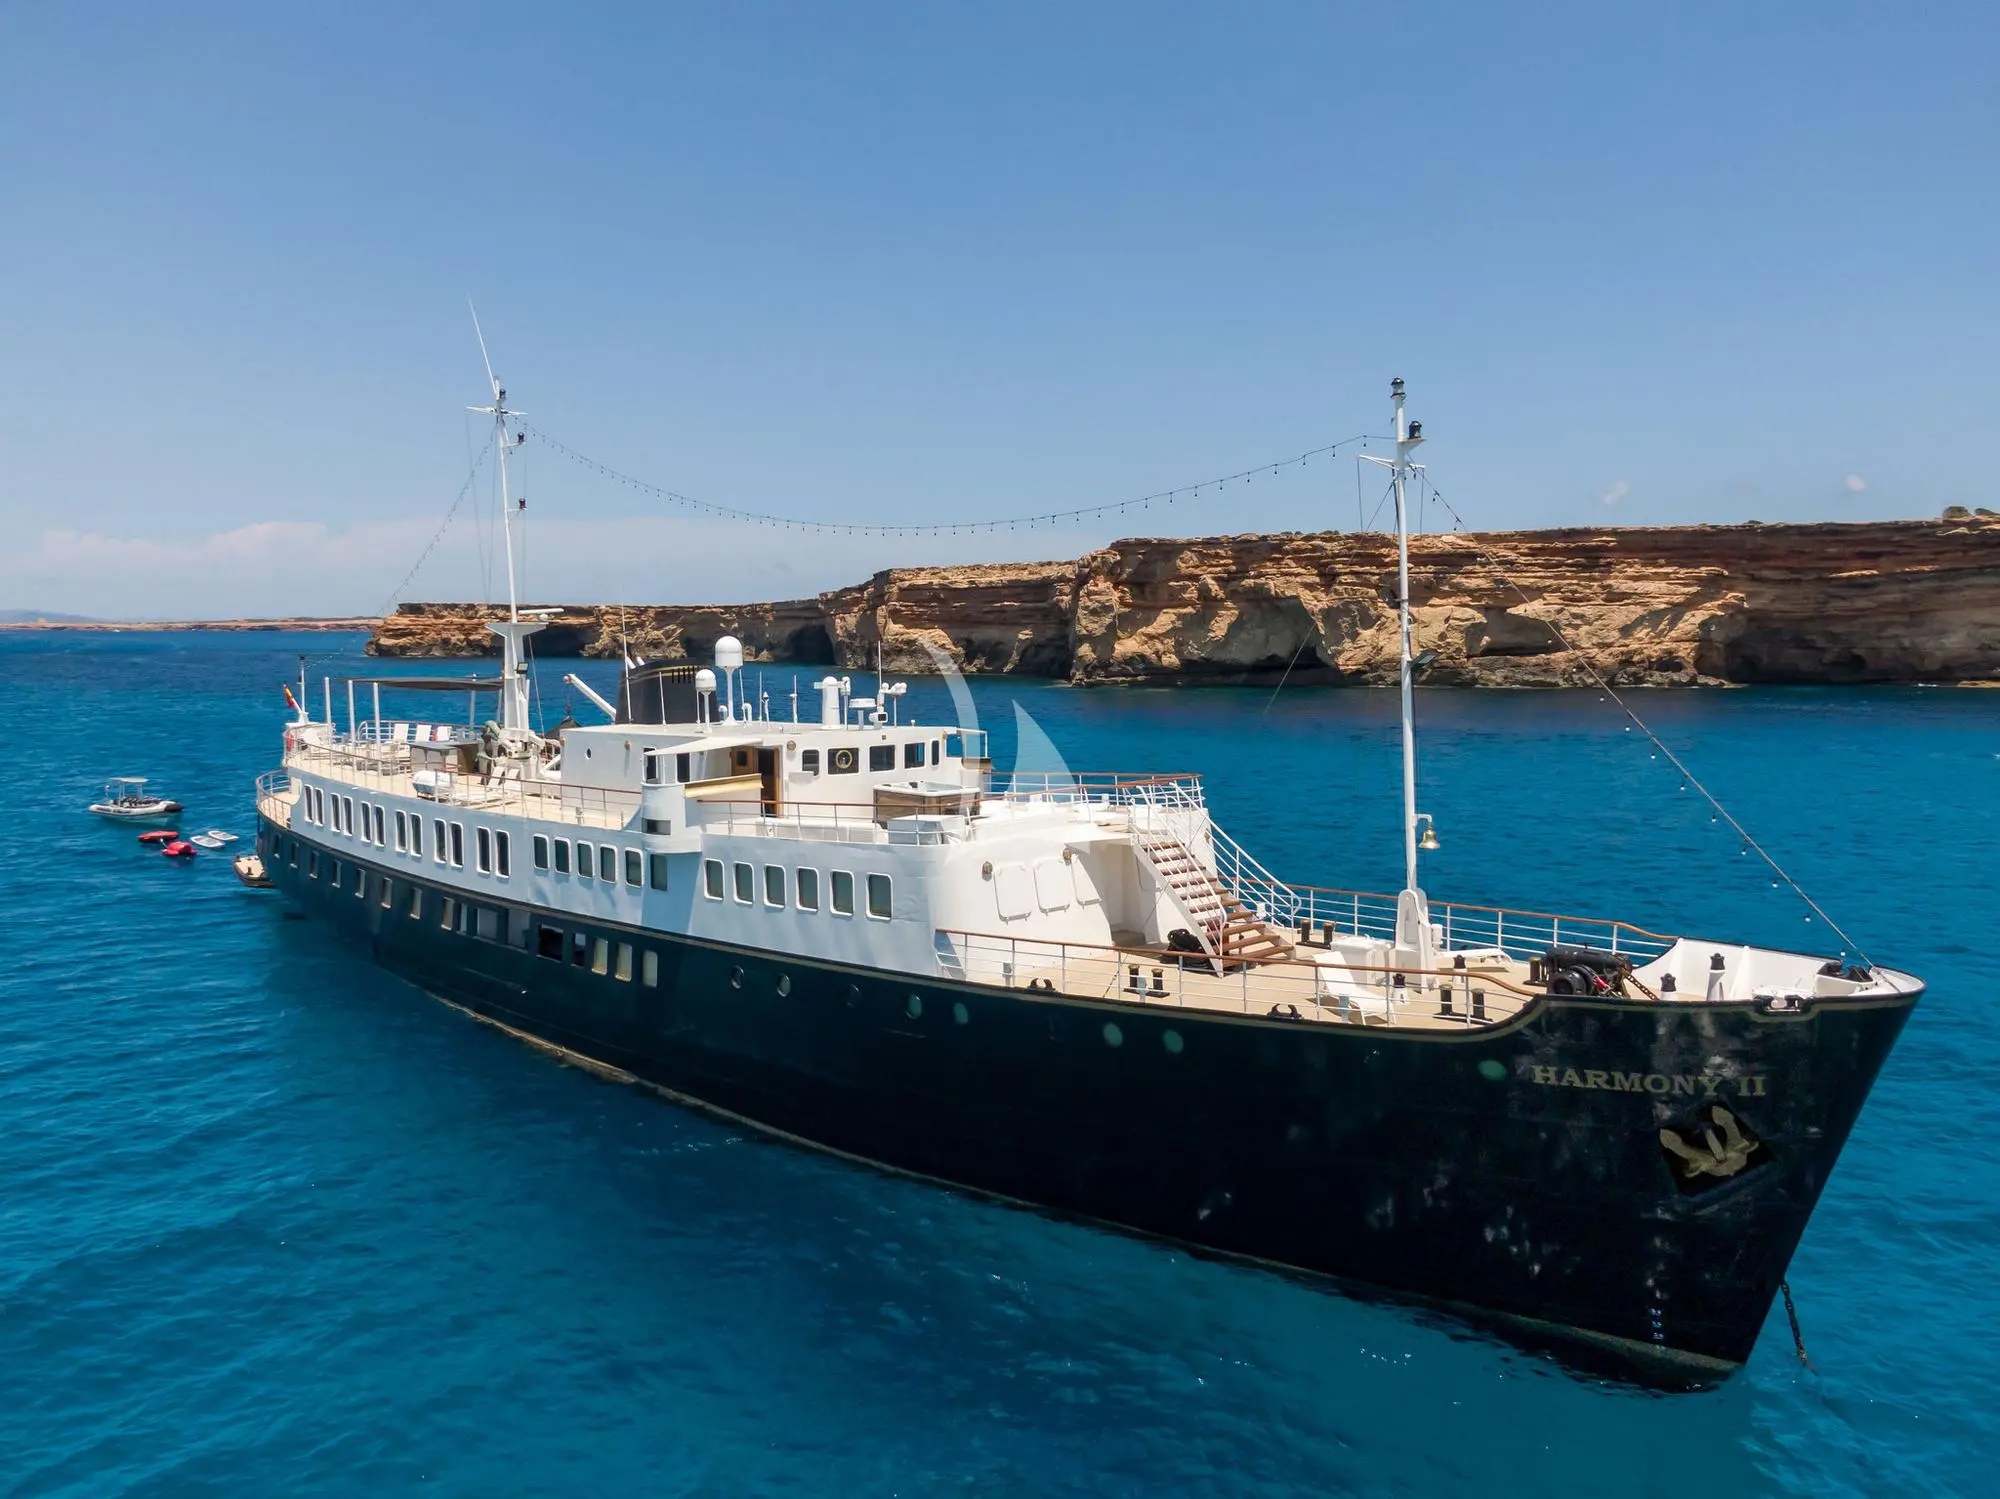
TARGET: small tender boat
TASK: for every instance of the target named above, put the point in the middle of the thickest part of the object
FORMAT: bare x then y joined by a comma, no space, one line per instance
126,796
159,835
206,840
180,848
250,870
220,836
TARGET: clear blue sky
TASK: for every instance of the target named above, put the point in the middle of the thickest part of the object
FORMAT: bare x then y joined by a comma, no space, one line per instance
1639,264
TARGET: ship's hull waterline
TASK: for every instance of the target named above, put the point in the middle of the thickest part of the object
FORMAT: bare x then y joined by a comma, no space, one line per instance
1516,1172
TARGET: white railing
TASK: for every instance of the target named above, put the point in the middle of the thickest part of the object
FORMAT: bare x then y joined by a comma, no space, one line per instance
1097,788
386,768
1289,988
274,801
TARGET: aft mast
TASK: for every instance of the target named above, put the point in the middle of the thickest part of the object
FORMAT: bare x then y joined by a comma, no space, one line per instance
513,666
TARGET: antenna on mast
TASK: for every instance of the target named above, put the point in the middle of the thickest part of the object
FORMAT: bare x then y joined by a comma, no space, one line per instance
1413,933
514,671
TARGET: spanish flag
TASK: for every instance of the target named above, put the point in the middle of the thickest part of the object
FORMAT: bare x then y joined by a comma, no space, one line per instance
290,701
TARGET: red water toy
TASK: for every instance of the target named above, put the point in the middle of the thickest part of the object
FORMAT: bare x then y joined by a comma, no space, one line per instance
160,835
180,848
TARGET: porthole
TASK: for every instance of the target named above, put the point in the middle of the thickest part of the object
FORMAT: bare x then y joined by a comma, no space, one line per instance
736,978
784,985
915,1005
1172,1041
958,1015
1112,1035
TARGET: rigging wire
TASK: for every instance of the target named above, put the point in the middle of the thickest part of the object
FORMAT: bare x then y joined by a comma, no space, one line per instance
1688,777
942,528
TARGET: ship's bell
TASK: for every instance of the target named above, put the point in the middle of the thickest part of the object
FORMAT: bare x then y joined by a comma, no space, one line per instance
1430,839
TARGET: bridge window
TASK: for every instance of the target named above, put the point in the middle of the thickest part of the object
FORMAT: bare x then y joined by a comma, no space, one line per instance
683,768
539,851
658,869
584,859
808,886
809,762
913,754
746,884
635,867
652,758
711,878
843,893
774,886
881,757
607,863
878,896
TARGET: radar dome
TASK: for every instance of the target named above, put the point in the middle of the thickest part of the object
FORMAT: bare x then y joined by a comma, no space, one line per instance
704,680
728,653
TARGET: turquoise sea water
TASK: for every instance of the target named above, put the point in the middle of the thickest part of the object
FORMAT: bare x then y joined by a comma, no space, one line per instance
273,1222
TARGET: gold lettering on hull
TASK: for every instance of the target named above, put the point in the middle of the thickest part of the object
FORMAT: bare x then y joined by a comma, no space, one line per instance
1657,1084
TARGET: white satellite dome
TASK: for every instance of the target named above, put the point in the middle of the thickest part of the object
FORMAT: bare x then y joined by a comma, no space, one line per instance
728,653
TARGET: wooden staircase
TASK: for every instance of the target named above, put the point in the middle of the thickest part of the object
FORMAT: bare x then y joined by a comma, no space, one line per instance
1231,929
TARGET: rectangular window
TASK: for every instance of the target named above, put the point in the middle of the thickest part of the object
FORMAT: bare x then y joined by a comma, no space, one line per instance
416,835
465,915
809,762
549,943
489,924
635,867
878,896
683,769
774,885
579,949
539,850
711,878
347,815
338,874
586,858
842,761
402,833
292,853
312,865
746,884
485,845
937,757
622,969
438,842
448,914
416,903
388,893
607,863
808,883
562,856
649,969
913,754
381,836
503,861
652,760
881,757
458,845
600,956
360,882
659,826
843,893
657,869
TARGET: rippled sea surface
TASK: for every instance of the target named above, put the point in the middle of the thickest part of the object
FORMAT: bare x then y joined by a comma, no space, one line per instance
273,1222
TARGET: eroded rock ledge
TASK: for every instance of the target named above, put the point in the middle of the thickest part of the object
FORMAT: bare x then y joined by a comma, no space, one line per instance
1887,601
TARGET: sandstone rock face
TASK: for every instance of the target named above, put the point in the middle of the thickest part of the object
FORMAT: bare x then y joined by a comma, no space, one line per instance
1892,601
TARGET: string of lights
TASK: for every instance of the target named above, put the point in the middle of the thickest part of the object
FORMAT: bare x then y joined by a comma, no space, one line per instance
1718,812
944,528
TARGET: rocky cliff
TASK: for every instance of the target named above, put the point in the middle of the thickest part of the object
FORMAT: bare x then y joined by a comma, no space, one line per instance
1890,601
